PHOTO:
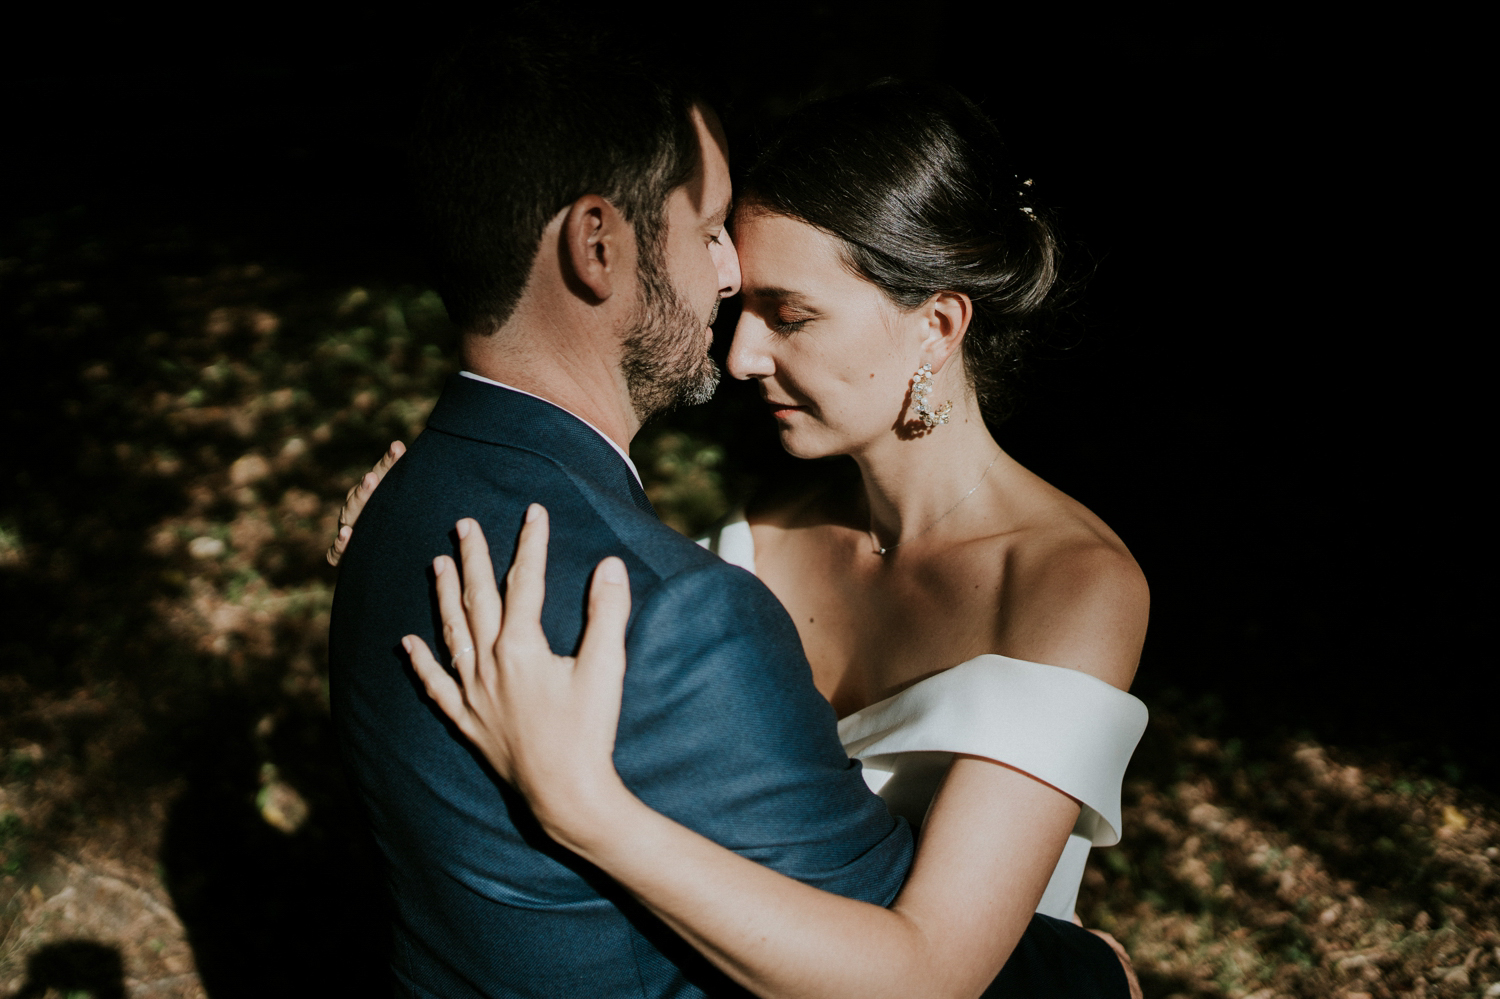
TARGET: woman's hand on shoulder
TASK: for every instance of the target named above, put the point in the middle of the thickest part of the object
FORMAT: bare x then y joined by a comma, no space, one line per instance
545,722
1081,603
359,495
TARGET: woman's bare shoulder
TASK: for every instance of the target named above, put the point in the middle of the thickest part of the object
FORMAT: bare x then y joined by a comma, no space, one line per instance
1073,594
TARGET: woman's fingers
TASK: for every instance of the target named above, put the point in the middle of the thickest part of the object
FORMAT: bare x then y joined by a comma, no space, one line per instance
545,722
1131,981
340,542
440,686
456,633
602,652
391,456
526,582
354,504
358,496
481,595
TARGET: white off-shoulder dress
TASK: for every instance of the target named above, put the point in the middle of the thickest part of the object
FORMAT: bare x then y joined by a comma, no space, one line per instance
1061,726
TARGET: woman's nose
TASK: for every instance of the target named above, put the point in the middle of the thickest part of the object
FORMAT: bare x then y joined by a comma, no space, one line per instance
749,356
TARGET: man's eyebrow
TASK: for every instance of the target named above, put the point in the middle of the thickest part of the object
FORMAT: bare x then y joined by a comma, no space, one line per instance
718,218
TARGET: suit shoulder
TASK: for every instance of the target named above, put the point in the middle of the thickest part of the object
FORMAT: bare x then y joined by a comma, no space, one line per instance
709,603
707,581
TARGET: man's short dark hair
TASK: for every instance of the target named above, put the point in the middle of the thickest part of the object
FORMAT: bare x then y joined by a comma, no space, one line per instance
519,123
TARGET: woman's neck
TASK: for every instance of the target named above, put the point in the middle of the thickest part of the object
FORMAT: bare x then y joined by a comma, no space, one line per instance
914,482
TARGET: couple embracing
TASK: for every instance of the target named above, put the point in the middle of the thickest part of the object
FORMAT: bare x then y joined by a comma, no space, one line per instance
695,824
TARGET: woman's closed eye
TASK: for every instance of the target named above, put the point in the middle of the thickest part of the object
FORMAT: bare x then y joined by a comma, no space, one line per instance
785,325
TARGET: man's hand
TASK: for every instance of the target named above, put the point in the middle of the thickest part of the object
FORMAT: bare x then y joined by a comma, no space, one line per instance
358,497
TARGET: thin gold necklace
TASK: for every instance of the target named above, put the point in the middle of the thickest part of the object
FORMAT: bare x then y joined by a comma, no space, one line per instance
880,550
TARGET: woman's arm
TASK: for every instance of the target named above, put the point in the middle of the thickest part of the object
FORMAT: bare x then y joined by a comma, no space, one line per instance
547,724
987,851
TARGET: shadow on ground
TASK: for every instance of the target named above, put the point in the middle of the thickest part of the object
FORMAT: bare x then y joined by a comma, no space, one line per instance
181,445
74,966
271,912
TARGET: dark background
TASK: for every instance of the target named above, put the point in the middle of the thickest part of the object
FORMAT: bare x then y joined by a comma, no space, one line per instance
1269,389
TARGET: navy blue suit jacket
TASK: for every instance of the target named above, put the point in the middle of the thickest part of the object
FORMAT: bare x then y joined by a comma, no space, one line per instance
720,729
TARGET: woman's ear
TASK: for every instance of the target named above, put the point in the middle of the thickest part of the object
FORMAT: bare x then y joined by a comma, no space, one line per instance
947,315
596,240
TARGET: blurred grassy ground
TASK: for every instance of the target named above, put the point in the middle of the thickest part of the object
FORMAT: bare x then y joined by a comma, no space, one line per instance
173,820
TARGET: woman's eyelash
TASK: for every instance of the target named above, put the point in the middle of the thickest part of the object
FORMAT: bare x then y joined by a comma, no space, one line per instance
788,326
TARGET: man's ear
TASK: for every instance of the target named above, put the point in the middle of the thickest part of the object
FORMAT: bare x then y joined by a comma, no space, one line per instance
598,245
947,315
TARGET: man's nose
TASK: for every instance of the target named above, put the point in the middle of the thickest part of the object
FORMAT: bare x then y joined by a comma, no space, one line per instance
749,356
727,261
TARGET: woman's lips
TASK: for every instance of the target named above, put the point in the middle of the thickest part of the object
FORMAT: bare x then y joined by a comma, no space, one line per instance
781,410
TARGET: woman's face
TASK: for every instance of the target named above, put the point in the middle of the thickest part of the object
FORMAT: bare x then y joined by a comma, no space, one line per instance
833,355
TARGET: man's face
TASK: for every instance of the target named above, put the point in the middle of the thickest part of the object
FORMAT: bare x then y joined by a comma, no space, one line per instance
666,360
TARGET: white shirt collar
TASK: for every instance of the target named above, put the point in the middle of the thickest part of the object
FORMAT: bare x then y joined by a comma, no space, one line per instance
618,449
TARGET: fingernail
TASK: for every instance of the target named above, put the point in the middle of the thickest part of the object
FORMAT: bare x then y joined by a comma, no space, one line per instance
612,570
463,527
406,644
438,565
533,512
344,532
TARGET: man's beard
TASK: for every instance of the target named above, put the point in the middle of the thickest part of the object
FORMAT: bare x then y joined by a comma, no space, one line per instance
666,363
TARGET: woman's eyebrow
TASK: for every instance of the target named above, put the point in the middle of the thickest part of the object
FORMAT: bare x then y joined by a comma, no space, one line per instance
784,295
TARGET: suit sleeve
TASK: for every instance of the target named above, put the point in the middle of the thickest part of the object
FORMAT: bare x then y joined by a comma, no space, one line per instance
722,730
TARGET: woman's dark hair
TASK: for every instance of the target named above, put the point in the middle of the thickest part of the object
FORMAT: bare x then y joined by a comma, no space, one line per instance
913,178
